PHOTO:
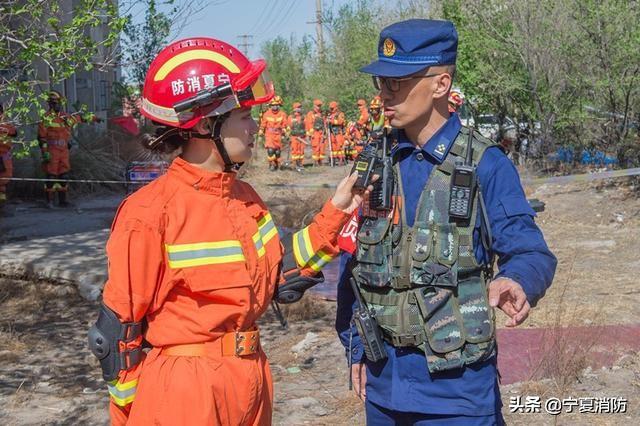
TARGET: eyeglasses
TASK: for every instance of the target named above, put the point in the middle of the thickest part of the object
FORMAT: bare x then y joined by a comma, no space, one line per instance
393,84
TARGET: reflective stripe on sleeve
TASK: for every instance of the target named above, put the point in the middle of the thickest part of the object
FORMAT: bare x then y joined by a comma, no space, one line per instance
304,253
122,394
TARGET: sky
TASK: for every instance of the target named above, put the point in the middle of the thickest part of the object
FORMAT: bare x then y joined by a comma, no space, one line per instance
264,19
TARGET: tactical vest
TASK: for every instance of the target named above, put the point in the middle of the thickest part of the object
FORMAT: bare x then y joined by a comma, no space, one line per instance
297,126
318,122
336,129
423,282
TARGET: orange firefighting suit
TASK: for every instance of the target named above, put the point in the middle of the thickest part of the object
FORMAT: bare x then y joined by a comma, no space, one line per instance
54,133
336,123
314,123
356,140
197,255
273,125
7,130
297,133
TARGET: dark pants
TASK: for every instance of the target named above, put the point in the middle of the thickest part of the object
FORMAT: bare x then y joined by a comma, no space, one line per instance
379,416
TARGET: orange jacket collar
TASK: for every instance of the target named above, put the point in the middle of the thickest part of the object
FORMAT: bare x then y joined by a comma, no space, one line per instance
218,183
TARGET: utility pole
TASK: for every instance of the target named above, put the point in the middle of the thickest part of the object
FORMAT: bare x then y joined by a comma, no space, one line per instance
245,45
318,23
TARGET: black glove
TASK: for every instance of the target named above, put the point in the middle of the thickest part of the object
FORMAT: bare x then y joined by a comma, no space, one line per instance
293,288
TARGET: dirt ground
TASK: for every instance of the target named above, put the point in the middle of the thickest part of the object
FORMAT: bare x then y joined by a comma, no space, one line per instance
48,377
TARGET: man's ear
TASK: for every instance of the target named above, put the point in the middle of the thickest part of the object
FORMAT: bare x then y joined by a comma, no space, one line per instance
443,85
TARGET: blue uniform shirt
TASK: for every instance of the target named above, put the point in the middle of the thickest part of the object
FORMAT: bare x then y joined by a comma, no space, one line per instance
403,382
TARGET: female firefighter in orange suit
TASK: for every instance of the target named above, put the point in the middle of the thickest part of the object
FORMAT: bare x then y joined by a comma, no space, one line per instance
195,258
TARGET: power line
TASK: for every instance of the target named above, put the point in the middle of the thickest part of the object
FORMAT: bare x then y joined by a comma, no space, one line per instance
264,18
284,17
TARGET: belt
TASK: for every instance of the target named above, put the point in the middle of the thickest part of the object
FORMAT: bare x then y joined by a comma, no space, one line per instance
235,343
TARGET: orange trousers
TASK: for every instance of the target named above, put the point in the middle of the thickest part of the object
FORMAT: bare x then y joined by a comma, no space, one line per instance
297,149
194,391
337,146
317,145
59,163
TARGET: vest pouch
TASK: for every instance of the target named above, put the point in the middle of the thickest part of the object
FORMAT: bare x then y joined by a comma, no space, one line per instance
477,316
373,253
420,252
430,299
447,243
444,328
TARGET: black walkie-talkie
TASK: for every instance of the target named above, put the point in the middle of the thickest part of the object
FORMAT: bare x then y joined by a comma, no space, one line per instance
368,329
382,195
463,185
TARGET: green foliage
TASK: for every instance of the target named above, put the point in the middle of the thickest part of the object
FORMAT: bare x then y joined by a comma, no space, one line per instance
34,32
141,43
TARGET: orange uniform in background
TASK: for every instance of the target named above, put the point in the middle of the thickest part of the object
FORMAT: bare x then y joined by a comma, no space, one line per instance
363,117
7,131
197,255
273,126
314,124
54,132
297,134
336,124
356,139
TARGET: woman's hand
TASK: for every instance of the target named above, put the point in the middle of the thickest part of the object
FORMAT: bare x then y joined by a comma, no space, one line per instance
347,198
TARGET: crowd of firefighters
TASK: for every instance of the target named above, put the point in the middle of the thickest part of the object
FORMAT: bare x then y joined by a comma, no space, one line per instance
54,139
327,133
331,138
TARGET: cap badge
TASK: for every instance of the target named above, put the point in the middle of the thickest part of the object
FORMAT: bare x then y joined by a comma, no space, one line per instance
388,47
440,149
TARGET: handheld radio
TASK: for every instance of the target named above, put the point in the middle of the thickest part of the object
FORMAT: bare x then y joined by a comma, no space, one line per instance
463,185
368,329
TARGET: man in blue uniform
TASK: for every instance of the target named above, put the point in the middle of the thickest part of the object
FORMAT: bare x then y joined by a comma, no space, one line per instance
427,275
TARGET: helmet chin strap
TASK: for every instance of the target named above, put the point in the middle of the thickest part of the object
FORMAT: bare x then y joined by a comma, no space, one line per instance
215,136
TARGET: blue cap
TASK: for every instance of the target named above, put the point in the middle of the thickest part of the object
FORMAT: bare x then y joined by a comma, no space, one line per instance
410,46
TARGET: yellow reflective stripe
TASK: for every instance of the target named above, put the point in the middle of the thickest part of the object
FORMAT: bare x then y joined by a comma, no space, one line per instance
208,253
122,394
177,248
259,244
190,55
319,260
302,248
267,228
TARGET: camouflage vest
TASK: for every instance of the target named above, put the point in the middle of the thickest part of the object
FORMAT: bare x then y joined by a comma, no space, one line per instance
318,122
297,126
423,282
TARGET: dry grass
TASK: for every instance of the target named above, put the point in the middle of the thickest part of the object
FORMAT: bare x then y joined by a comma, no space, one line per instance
308,308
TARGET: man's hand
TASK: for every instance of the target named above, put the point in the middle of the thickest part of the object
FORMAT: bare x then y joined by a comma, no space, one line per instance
509,296
359,380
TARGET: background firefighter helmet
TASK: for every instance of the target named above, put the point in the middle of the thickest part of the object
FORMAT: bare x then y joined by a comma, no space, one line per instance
456,99
376,103
333,106
317,103
362,102
194,67
276,101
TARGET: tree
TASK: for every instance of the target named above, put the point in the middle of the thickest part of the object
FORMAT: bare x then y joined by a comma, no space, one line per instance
34,32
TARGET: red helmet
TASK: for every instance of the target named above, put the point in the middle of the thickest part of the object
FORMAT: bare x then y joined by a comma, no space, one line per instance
317,102
333,105
202,77
296,105
362,102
